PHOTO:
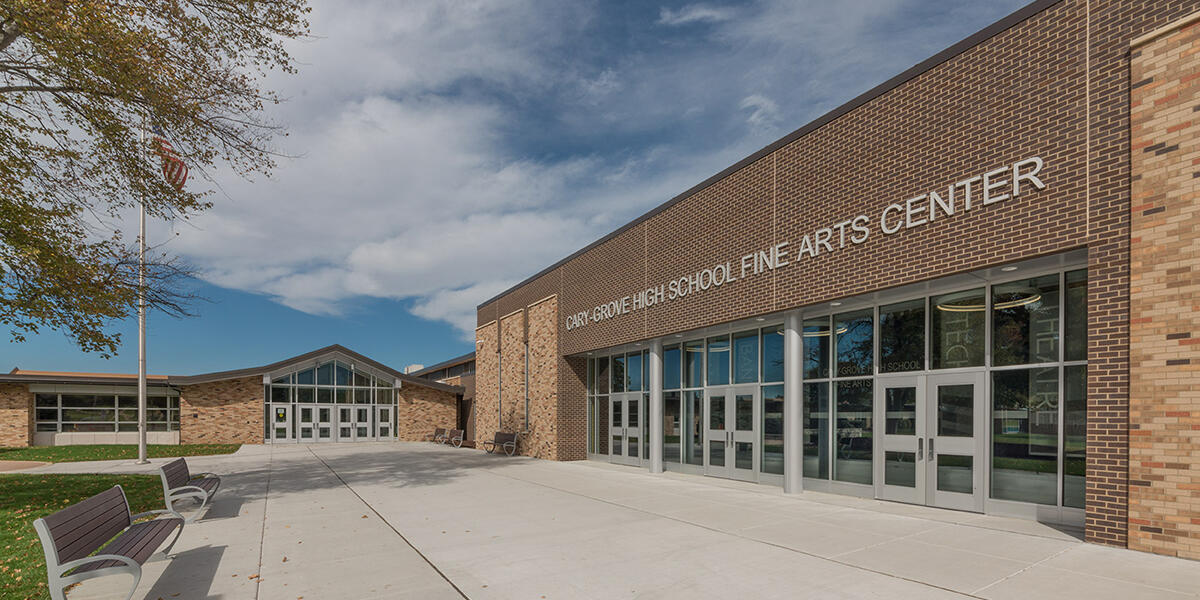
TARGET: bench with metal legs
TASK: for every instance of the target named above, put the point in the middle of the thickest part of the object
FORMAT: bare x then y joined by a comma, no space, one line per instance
71,535
180,484
454,437
439,435
505,441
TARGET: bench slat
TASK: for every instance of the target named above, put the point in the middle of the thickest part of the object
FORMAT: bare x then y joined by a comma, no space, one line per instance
177,473
138,543
80,529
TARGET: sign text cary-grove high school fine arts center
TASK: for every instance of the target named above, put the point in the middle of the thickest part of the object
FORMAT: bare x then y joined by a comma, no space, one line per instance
997,185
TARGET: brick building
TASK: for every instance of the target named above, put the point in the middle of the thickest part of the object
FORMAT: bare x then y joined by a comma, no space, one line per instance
329,395
972,287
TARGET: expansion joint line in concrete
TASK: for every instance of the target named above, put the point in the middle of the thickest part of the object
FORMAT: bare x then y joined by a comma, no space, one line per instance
389,524
742,537
262,536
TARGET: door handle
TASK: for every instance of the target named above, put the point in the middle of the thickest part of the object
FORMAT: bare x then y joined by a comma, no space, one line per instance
920,447
932,454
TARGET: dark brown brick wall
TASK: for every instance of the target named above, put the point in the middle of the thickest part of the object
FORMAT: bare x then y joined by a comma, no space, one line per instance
1055,85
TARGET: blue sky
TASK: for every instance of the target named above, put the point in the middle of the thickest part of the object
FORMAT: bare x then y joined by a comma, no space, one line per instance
445,150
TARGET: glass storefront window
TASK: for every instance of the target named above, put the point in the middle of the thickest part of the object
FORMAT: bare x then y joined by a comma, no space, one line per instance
902,337
816,430
816,348
900,411
306,377
855,343
671,368
325,374
693,364
745,357
1025,321
694,417
1075,316
854,420
718,360
772,354
591,376
618,373
633,369
957,329
602,375
1025,435
772,429
1074,434
672,427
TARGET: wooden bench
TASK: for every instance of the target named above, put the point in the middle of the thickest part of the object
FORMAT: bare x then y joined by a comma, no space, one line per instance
503,440
179,484
455,437
71,535
439,435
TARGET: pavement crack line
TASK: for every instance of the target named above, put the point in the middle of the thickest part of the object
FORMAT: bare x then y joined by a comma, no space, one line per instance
739,536
389,524
262,536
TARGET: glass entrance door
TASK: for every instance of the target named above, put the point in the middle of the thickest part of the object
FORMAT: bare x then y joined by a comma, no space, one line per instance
345,424
383,422
931,450
731,432
307,423
324,423
362,424
626,431
281,422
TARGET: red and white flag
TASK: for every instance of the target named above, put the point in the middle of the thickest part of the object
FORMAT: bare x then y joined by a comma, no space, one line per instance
173,167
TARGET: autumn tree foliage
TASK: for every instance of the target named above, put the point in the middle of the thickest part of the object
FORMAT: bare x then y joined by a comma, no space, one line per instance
79,80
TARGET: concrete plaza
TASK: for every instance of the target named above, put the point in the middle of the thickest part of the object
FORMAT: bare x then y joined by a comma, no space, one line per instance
413,520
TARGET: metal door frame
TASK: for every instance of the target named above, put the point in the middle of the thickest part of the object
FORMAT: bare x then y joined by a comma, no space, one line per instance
976,446
914,444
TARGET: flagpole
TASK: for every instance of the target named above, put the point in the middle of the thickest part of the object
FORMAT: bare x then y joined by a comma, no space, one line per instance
142,319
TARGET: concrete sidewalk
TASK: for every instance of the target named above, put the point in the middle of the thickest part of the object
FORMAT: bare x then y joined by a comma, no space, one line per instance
423,521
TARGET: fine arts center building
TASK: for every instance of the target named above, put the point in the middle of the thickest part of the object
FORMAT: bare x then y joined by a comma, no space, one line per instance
973,287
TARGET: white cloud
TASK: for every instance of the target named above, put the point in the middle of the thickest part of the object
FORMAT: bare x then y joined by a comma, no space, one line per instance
693,13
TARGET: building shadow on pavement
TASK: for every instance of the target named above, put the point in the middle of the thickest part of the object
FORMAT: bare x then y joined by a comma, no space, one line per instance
189,574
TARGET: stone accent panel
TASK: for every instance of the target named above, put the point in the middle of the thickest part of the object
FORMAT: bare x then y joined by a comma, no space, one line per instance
421,410
16,415
1164,403
222,412
542,438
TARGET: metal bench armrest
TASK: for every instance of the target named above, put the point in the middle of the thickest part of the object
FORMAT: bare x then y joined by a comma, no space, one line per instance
154,512
187,489
203,475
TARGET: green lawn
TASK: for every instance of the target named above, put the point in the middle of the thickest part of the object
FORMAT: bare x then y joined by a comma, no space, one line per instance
57,454
24,498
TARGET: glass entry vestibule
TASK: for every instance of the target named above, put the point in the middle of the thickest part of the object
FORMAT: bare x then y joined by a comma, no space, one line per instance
332,401
969,393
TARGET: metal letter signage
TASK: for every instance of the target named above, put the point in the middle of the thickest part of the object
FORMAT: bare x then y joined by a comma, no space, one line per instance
991,187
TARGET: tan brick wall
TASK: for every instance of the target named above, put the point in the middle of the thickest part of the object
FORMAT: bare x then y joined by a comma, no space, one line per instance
225,412
420,410
541,440
1164,403
487,381
16,415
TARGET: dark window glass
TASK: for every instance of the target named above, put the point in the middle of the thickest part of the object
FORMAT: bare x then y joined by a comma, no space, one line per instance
693,364
900,410
854,426
672,423
772,353
591,411
900,468
956,329
280,394
816,348
47,414
362,379
325,374
591,375
902,337
816,430
304,394
718,360
693,406
343,374
1025,435
855,343
88,401
157,402
83,427
46,400
283,379
1025,321
47,427
672,368
325,395
634,370
772,429
1075,316
1074,434
127,401
602,365
79,415
618,373
305,377
745,357
956,410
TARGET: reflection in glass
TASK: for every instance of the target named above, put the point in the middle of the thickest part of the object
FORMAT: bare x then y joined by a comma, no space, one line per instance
854,426
772,430
1075,316
900,468
816,348
1025,435
772,358
718,360
743,455
633,370
325,374
716,453
902,337
672,424
305,377
694,417
900,410
955,473
745,357
618,413
693,364
1025,321
956,329
743,406
716,412
618,373
956,410
1074,434
618,445
855,343
816,430
672,369
631,421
